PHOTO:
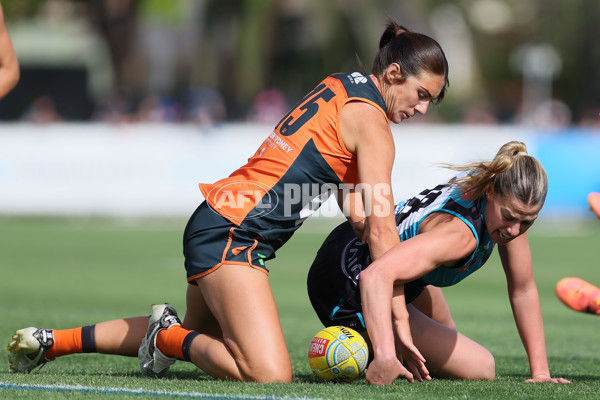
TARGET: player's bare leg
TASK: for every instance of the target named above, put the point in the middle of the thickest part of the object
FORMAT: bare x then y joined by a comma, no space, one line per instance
579,295
198,316
449,354
121,336
252,347
433,304
30,348
594,202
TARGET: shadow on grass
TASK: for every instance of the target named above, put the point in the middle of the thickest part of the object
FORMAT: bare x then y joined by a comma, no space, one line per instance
200,376
560,367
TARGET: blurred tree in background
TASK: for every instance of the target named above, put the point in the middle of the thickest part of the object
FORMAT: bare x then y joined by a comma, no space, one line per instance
511,61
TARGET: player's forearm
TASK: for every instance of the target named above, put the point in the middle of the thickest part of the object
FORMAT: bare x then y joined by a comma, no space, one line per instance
350,202
535,346
381,232
381,238
399,311
376,298
528,317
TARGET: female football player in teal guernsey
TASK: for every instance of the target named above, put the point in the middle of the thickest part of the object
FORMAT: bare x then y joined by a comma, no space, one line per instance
338,135
446,234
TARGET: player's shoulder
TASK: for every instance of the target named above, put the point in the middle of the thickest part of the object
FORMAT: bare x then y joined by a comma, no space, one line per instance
360,86
363,113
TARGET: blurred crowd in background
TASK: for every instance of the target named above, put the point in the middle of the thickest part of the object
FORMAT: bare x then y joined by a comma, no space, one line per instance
533,62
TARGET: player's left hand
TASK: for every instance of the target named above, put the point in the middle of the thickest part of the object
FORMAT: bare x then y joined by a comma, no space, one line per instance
407,352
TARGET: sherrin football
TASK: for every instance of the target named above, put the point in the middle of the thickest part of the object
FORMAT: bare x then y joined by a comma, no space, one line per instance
338,354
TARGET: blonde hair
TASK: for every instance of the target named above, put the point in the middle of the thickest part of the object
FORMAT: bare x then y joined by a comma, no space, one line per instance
512,173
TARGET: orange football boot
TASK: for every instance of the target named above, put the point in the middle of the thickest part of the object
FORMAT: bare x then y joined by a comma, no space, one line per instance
579,295
594,200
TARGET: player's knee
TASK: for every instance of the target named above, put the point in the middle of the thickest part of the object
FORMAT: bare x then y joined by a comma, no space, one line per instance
491,369
482,367
452,324
269,368
487,370
273,373
449,322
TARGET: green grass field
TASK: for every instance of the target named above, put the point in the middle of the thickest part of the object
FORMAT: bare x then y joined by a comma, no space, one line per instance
63,273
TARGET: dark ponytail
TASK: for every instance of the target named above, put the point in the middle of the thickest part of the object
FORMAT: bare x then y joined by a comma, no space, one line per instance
391,32
414,52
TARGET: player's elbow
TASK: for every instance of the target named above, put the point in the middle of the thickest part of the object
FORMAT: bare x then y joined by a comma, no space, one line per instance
374,278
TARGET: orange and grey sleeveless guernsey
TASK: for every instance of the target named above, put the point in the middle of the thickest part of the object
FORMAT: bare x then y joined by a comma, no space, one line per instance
298,166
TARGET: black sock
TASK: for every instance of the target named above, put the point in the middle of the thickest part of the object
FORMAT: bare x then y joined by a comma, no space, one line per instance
187,343
88,339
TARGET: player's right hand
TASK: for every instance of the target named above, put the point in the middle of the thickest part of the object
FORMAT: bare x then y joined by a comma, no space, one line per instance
384,372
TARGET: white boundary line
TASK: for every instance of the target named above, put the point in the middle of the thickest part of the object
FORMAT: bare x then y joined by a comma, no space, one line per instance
134,392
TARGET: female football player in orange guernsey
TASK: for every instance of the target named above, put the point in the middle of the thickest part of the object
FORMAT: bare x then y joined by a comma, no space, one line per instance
336,138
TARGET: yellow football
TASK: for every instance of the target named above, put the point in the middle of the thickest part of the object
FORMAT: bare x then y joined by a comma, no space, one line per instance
338,354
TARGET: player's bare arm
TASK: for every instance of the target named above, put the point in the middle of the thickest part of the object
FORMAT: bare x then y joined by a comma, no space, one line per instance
414,258
350,202
525,303
9,65
366,133
439,245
